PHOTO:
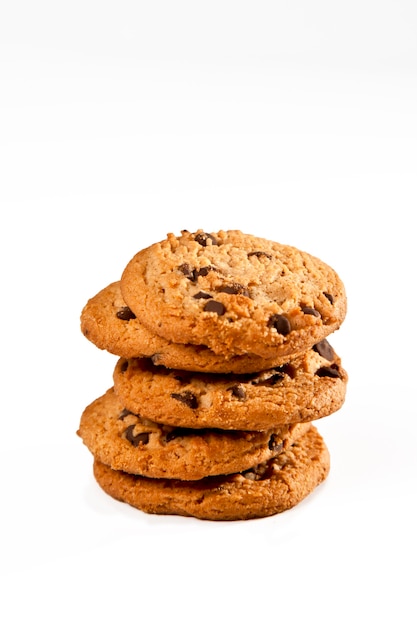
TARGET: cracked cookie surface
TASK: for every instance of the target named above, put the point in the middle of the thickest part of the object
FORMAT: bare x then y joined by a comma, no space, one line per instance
267,489
306,388
234,293
125,441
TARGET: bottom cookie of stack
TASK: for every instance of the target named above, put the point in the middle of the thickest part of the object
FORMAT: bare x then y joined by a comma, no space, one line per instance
269,488
208,474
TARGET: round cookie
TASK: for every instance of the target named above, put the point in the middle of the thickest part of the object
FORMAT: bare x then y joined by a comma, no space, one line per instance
127,442
235,293
267,489
108,323
306,388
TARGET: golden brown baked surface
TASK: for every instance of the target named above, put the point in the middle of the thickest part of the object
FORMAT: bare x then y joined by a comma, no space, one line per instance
267,489
224,364
234,293
308,387
108,323
127,442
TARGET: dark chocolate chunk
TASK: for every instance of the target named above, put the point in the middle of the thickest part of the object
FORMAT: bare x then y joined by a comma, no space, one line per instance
238,391
280,323
324,349
308,310
187,398
259,253
203,271
329,297
123,414
331,370
192,273
234,289
201,295
213,306
202,239
135,440
187,270
125,314
268,381
275,444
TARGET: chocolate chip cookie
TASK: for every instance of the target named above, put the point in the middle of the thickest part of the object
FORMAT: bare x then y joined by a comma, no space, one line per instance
128,442
109,323
234,293
306,388
266,489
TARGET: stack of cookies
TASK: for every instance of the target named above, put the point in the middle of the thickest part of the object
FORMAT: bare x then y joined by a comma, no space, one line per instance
223,366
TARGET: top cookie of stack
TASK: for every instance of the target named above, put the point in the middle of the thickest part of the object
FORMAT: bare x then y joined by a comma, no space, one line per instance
218,302
234,293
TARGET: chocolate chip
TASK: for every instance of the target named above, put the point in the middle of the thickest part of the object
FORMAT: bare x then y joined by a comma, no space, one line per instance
193,274
259,253
213,306
238,391
308,310
269,381
123,414
203,238
187,270
234,289
269,377
125,314
187,398
280,323
203,271
332,371
275,444
324,349
135,440
201,295
329,297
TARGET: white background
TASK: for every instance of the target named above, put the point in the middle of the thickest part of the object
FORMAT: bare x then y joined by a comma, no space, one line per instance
122,121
